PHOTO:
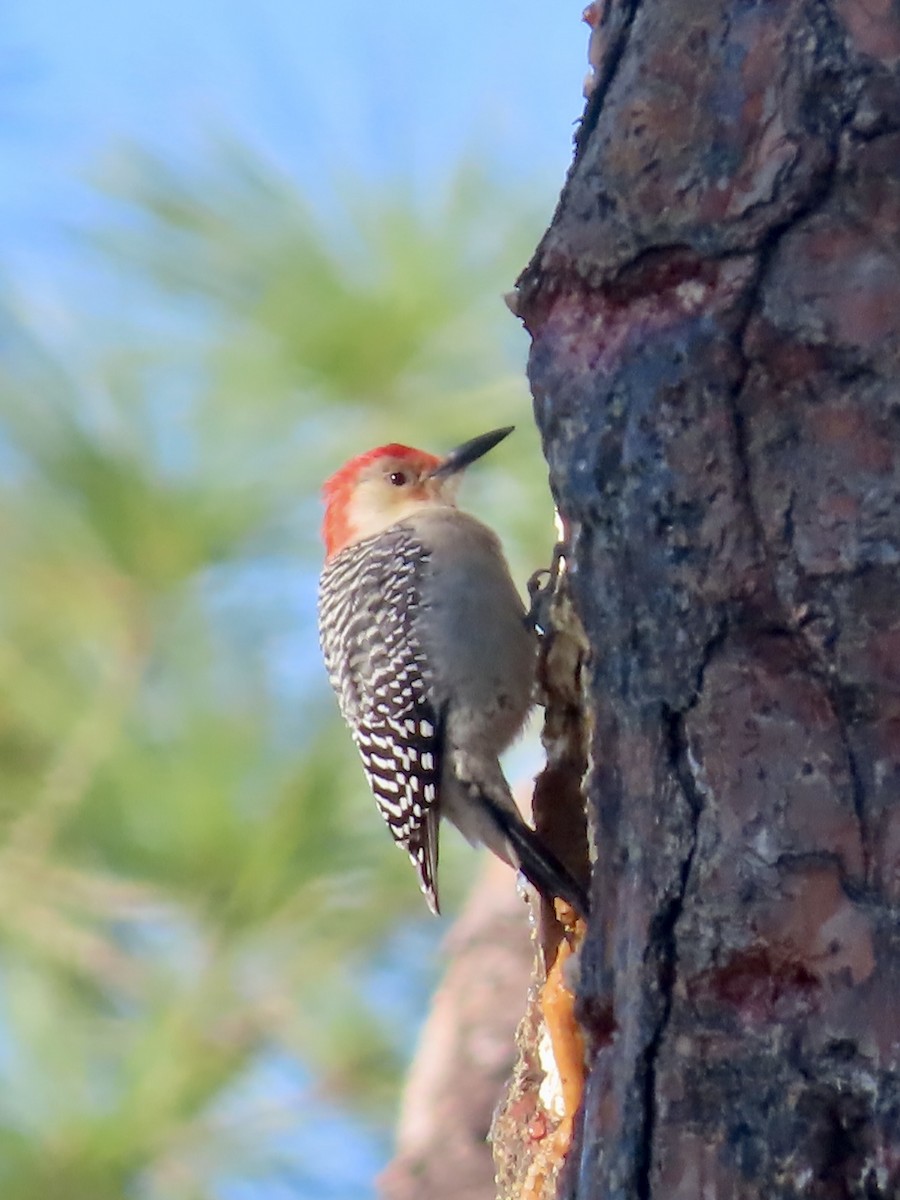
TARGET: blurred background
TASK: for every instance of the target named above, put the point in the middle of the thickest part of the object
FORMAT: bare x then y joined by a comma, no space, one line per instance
238,244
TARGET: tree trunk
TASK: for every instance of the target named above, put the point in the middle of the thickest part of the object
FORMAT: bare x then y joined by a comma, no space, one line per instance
467,1050
715,315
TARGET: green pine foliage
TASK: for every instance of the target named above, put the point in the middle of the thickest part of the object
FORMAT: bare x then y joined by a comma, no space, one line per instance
192,875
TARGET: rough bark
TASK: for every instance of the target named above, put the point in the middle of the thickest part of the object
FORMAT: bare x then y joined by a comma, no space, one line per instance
715,315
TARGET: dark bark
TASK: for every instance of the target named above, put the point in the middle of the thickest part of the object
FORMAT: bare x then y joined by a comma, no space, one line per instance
715,314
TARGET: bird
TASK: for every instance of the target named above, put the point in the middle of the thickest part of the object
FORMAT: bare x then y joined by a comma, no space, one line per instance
431,656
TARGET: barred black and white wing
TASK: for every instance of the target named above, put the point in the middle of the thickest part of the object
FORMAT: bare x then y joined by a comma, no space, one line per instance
368,598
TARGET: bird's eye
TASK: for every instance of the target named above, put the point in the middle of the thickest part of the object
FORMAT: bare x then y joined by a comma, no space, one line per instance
398,478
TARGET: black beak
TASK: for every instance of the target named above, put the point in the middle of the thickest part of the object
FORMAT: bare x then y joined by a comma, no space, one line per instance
463,456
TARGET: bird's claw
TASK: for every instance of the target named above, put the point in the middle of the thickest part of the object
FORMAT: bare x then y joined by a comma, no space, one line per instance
541,586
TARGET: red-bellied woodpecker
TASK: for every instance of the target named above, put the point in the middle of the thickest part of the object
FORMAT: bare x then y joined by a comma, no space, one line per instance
427,646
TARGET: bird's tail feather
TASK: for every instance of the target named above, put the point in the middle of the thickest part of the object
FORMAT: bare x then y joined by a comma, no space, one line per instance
537,862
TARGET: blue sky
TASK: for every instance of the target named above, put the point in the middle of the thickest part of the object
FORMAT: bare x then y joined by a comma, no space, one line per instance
392,90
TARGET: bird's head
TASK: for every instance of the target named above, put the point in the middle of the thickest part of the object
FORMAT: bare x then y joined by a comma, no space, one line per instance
383,486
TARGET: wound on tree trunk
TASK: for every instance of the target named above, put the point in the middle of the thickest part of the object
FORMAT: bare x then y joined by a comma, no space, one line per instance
715,315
